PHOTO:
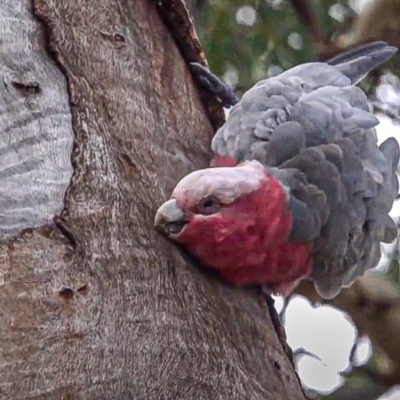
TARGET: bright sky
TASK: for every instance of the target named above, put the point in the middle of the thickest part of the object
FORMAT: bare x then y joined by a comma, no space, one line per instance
325,332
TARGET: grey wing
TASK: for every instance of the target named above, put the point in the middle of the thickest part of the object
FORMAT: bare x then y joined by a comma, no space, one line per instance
358,178
315,129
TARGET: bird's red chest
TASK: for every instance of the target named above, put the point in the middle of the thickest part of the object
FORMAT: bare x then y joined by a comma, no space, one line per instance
274,266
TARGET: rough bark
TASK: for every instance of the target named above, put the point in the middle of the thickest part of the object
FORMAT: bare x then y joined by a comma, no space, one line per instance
96,305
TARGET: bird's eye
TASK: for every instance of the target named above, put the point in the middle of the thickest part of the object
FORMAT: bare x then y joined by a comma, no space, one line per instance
209,205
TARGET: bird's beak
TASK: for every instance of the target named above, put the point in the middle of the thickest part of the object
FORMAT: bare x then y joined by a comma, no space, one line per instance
170,219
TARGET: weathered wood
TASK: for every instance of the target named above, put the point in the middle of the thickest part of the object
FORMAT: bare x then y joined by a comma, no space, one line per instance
36,134
97,305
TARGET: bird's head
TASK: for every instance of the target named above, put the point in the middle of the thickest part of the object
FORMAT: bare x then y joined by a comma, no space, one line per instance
225,213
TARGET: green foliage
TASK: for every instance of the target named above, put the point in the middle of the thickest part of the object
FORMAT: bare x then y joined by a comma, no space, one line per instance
254,39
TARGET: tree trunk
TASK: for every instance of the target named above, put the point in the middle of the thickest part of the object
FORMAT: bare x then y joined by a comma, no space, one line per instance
100,119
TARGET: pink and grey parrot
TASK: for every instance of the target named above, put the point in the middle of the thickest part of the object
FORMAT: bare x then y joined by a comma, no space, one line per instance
298,187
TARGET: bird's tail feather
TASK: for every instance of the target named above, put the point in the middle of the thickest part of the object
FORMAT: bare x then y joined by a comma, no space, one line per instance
358,62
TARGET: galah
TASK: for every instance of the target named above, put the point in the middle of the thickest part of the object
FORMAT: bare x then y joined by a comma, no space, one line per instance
299,187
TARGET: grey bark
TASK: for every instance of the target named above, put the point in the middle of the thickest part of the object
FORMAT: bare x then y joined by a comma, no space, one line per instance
36,133
93,303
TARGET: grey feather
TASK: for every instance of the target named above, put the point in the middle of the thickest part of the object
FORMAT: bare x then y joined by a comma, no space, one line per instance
357,52
313,128
369,58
